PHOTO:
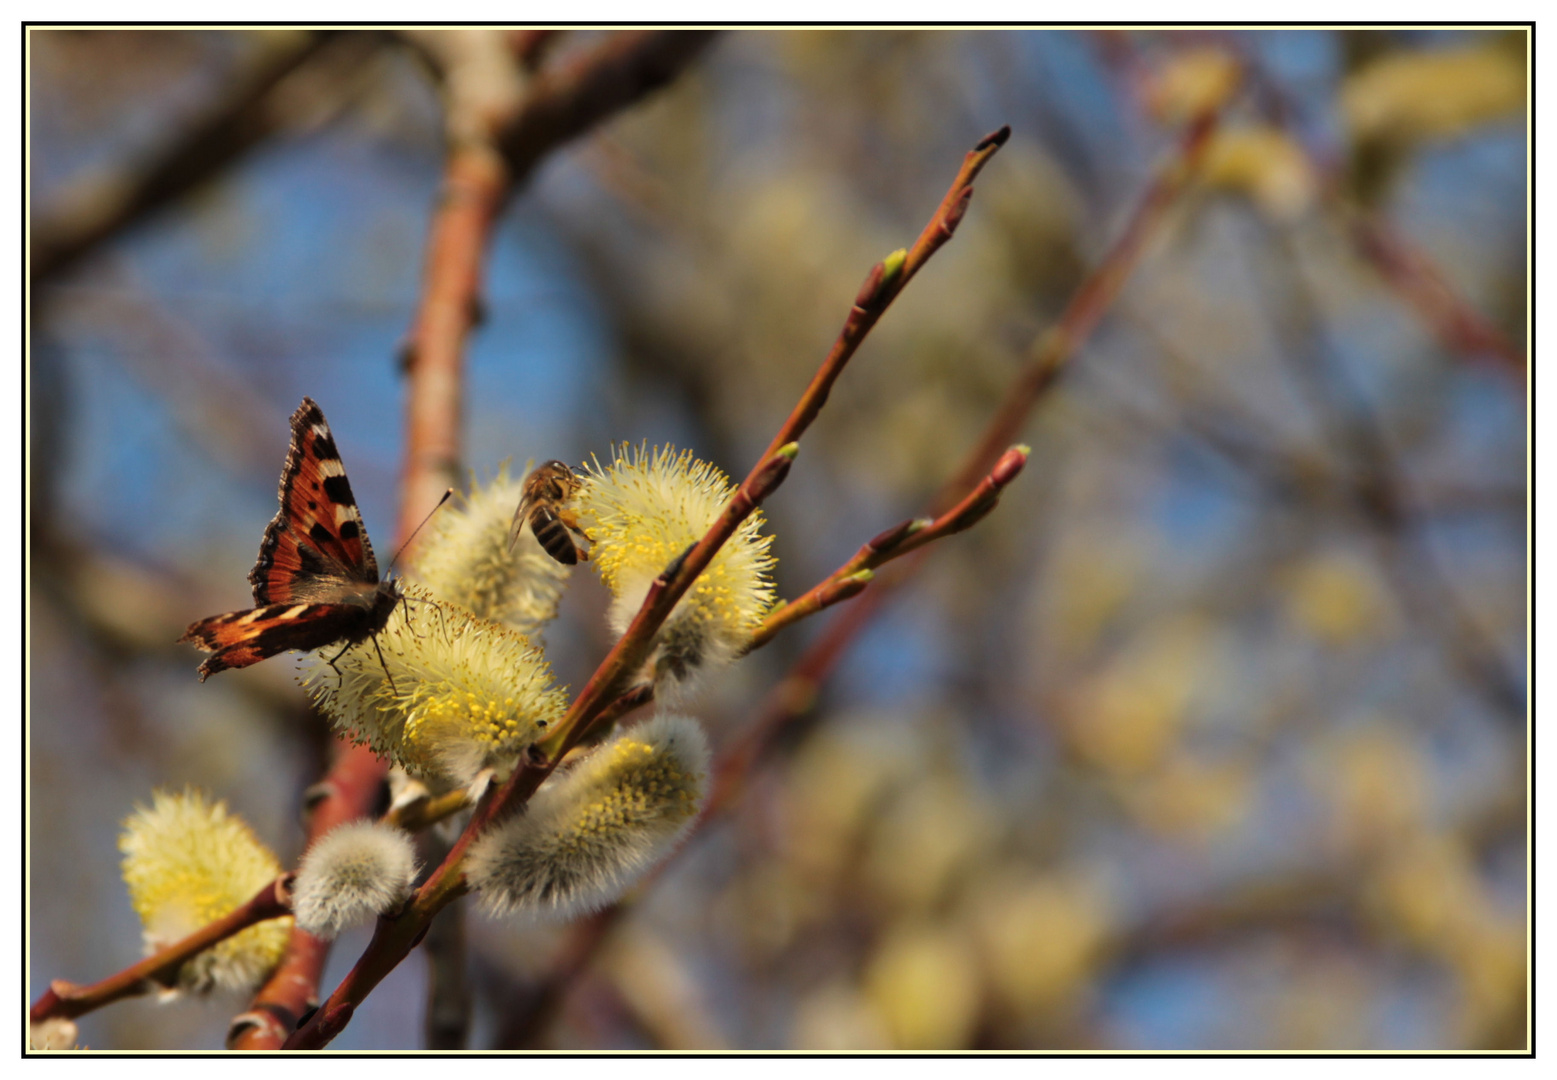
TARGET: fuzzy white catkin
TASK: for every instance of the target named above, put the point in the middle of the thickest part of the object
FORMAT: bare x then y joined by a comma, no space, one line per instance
352,873
468,558
586,836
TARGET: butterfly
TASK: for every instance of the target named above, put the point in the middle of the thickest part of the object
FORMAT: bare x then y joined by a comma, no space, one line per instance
316,581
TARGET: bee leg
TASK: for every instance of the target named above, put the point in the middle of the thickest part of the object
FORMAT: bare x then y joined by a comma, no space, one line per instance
570,519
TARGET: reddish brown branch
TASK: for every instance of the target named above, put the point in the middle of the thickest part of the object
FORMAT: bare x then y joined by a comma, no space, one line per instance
349,792
1408,270
474,187
160,970
570,99
886,279
852,577
289,992
481,174
530,45
1087,305
882,285
394,938
796,695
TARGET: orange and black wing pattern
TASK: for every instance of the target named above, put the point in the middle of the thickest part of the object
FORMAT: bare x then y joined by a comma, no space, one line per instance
317,535
241,638
316,581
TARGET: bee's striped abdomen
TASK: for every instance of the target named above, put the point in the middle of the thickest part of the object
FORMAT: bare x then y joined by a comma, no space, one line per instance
553,535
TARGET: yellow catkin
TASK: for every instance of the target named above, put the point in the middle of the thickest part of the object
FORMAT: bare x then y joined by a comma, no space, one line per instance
188,862
440,692
645,509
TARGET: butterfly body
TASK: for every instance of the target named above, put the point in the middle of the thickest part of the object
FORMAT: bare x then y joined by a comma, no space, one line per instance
316,581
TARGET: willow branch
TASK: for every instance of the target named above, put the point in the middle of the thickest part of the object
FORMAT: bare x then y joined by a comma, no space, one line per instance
347,793
1091,300
1402,265
886,280
1413,276
882,285
854,576
795,696
160,970
496,152
394,938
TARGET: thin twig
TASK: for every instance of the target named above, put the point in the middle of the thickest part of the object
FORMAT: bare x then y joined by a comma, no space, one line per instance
795,696
347,793
159,971
850,579
1096,293
394,938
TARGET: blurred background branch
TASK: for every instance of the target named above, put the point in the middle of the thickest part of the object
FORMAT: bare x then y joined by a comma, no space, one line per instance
1212,737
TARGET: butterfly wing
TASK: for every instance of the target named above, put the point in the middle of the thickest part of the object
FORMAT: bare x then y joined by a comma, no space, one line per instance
317,535
241,638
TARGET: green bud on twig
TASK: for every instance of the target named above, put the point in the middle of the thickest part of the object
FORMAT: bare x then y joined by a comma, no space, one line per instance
880,282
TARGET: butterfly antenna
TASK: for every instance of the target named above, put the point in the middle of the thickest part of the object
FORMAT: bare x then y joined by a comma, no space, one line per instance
418,529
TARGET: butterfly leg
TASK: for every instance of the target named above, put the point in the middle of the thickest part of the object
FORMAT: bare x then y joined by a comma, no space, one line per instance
392,687
340,678
443,627
405,601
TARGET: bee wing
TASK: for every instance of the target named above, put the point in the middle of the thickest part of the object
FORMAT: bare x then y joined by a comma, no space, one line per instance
521,515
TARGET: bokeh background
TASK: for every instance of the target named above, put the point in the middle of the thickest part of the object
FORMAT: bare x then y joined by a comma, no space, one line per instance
1212,736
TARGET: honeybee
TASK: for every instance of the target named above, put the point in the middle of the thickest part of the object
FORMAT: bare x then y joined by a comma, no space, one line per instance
545,490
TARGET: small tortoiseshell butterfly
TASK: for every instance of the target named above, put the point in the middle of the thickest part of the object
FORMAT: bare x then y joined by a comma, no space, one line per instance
316,581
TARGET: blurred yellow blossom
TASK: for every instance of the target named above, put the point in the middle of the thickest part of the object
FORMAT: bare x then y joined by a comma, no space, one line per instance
188,862
1412,96
923,981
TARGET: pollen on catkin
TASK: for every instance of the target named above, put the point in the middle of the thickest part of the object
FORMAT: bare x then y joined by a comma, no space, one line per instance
188,862
589,833
466,558
642,511
439,691
351,873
